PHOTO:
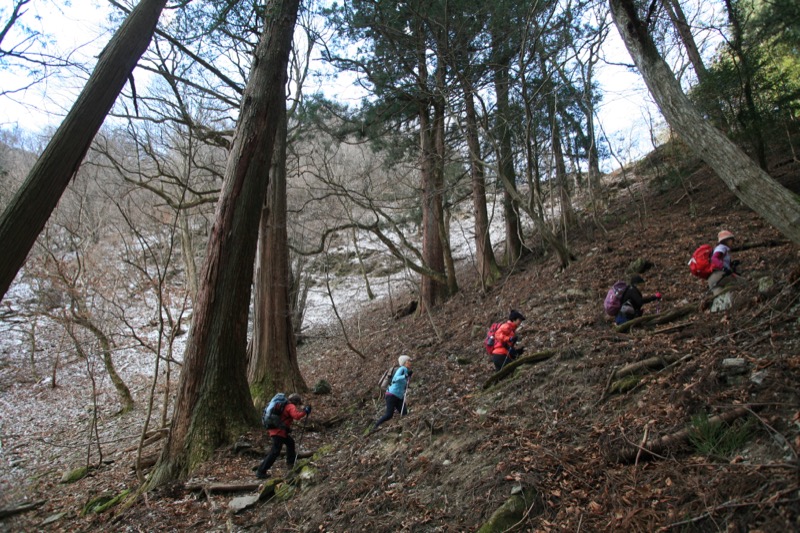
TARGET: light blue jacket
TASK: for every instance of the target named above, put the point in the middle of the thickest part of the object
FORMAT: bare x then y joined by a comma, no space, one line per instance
399,382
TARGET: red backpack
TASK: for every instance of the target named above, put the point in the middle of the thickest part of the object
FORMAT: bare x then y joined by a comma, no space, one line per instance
488,342
700,263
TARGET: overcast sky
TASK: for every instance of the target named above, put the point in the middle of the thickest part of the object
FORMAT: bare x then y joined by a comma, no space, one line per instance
80,28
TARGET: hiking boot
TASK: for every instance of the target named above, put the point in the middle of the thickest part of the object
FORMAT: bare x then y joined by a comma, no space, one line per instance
259,475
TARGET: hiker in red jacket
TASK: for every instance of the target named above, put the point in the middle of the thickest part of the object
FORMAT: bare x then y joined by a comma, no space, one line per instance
505,340
280,436
724,269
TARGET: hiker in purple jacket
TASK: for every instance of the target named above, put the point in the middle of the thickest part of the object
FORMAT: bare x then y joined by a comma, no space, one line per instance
632,301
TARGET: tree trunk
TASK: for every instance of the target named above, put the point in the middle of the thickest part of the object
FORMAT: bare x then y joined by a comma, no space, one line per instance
27,213
779,206
123,392
214,406
505,166
484,254
273,351
432,292
187,252
751,119
678,18
440,145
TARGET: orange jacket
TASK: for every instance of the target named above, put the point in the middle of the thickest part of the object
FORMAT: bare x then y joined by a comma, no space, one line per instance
502,337
290,413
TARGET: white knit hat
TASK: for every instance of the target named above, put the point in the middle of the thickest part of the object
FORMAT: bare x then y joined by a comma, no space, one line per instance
402,360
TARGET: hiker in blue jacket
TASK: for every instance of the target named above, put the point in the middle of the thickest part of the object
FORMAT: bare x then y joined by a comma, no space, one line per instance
395,394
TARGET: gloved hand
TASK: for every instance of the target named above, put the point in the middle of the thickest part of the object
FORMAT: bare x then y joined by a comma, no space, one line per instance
410,372
512,341
735,263
727,271
658,296
307,409
520,350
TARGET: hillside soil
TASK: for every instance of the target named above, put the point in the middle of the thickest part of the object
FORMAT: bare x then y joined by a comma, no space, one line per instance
580,448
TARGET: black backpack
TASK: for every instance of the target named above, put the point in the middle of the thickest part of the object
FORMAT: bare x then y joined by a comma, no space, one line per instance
271,417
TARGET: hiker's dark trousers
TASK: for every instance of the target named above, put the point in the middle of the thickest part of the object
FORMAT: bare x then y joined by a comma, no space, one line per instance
501,360
393,403
275,452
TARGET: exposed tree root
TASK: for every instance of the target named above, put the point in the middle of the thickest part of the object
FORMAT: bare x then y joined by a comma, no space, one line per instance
510,367
657,319
659,445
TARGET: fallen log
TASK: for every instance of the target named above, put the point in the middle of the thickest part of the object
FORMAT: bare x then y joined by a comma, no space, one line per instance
222,487
19,509
763,244
673,440
654,320
651,363
537,357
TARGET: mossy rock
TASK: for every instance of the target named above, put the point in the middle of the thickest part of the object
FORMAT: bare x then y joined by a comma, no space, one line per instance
103,502
508,515
74,475
625,384
308,475
322,387
640,266
285,492
269,488
322,452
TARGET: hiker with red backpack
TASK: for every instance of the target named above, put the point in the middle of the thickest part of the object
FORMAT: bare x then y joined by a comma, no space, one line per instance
504,349
723,268
291,411
396,393
633,301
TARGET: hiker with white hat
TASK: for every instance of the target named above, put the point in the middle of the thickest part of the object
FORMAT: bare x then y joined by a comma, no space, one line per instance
396,393
724,269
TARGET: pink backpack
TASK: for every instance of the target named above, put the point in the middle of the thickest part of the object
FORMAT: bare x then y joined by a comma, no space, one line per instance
613,300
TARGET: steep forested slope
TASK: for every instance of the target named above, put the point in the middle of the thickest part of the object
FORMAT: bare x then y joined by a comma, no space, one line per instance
559,432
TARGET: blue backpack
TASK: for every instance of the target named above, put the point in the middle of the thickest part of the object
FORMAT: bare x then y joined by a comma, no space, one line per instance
271,417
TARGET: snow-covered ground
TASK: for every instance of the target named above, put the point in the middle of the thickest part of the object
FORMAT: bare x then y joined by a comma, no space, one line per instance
47,428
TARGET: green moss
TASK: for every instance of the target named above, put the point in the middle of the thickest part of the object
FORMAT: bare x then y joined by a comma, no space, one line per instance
285,492
259,395
103,502
508,515
322,452
75,475
625,384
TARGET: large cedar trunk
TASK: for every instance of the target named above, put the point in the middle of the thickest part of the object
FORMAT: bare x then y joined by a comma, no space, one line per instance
779,206
214,406
272,365
432,292
27,213
484,255
506,166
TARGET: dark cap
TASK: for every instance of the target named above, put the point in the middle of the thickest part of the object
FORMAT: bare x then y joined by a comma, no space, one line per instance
516,315
636,279
295,399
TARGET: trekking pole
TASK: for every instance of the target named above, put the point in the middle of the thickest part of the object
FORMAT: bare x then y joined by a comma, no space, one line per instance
403,406
300,440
